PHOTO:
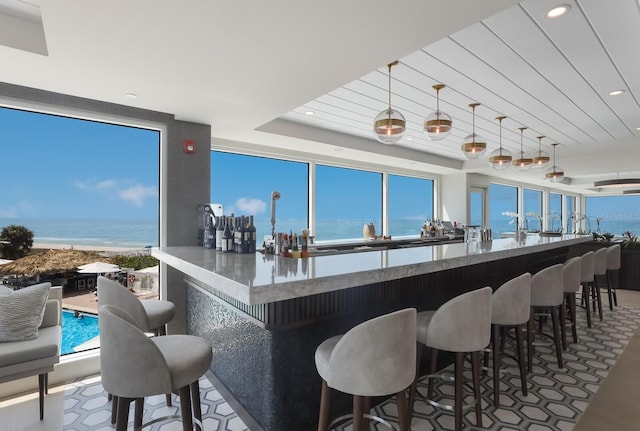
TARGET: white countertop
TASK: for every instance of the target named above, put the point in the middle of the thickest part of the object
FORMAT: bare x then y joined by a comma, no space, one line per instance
257,278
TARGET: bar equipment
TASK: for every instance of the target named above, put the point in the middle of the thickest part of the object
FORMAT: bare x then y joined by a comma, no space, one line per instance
208,214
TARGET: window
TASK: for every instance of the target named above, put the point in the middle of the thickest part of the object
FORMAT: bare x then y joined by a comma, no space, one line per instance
410,204
476,206
503,204
346,200
532,208
554,218
78,183
243,185
613,214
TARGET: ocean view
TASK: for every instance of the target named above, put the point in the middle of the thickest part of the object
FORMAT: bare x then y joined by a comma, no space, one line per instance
84,232
143,233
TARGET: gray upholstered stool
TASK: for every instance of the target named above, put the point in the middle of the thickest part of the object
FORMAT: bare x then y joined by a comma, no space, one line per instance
134,366
150,315
589,294
375,358
614,262
510,308
461,325
547,295
571,274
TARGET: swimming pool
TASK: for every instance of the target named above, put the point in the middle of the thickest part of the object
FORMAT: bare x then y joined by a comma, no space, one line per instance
76,331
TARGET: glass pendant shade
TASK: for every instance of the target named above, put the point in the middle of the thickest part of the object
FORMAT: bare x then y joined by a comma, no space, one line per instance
555,174
473,145
438,124
501,158
522,163
542,159
390,125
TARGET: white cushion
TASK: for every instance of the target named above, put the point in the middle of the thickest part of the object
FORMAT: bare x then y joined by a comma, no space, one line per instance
21,312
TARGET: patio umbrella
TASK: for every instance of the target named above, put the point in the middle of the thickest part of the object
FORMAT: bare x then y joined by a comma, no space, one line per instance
98,268
51,261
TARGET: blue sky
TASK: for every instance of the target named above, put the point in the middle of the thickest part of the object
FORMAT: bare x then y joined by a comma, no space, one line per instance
57,167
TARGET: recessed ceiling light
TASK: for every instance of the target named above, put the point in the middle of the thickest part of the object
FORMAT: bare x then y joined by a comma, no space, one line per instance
309,112
616,92
558,11
131,95
409,138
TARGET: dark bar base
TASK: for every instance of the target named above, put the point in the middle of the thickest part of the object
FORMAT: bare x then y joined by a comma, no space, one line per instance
272,373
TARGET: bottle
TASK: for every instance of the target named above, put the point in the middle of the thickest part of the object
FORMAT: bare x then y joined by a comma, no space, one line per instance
227,238
210,236
221,221
244,236
252,236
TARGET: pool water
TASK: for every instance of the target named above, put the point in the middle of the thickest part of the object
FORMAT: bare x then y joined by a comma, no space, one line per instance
76,331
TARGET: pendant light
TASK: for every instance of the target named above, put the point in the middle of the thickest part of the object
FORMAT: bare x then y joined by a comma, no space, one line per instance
389,125
438,124
523,163
500,158
555,174
473,146
542,159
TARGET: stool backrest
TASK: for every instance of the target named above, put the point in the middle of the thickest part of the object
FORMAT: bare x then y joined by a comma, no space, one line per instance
511,303
462,324
571,272
547,287
131,365
613,257
587,267
377,357
110,292
600,261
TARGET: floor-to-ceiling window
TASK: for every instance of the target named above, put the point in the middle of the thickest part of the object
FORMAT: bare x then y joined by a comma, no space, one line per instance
78,184
244,186
410,204
532,208
477,197
503,207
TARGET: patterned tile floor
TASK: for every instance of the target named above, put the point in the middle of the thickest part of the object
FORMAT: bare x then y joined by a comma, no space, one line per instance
555,402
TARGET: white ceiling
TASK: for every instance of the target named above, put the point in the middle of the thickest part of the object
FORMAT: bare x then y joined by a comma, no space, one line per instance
251,69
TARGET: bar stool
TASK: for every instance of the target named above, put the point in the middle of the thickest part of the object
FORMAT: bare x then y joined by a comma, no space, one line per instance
134,366
614,262
547,293
462,325
586,280
571,273
150,315
375,358
599,273
510,308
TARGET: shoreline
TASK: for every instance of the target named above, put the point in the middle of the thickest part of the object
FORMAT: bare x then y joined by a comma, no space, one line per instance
107,251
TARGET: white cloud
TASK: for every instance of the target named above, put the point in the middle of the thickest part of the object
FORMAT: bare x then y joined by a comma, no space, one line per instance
137,194
106,184
251,206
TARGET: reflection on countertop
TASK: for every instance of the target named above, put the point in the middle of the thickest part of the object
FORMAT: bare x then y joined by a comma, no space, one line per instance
258,278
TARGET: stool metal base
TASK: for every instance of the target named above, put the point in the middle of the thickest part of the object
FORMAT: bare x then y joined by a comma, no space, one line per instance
345,418
447,407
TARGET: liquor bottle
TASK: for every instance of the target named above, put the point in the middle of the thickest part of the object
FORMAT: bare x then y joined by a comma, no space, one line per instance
241,246
227,238
221,222
252,236
210,236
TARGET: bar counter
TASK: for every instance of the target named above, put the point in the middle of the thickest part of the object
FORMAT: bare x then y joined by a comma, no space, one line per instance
265,315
